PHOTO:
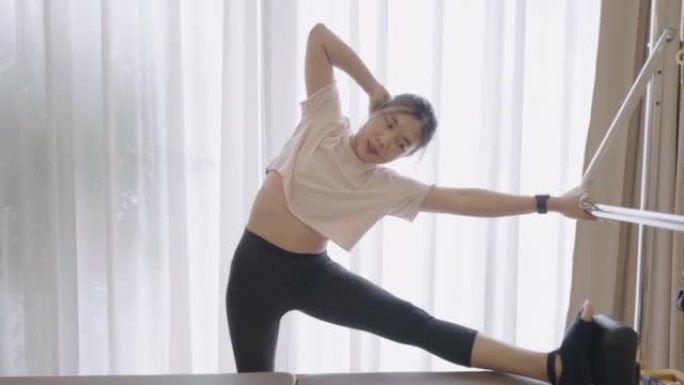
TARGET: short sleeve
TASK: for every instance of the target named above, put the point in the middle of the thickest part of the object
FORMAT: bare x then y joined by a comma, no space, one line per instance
406,196
323,104
321,118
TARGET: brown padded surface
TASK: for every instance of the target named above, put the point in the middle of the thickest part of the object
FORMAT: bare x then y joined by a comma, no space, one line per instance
170,379
415,378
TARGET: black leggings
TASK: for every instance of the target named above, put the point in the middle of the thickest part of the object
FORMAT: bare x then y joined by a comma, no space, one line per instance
266,282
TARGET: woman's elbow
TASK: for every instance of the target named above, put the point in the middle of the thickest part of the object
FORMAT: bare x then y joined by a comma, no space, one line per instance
317,31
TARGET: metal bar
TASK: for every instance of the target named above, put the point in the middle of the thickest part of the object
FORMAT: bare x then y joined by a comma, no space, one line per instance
680,54
645,186
642,217
631,101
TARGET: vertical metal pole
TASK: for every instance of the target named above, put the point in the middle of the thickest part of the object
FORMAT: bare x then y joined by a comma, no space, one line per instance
681,23
681,38
650,119
641,240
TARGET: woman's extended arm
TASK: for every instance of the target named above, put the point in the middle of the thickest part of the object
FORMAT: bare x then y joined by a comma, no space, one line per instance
485,203
325,50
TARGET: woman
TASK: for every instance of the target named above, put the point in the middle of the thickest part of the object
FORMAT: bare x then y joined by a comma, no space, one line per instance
326,185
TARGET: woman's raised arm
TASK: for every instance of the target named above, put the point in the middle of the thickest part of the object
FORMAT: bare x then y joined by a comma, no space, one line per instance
325,50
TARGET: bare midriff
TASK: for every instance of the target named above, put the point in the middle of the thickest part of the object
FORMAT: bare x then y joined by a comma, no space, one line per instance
272,220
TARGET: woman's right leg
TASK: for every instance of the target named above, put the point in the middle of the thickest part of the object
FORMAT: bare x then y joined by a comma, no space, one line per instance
263,281
254,336
254,305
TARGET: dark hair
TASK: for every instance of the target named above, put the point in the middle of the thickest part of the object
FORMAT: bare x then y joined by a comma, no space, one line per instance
418,107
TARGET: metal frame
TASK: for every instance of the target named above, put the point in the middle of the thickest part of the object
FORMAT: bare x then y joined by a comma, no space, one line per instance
643,83
642,217
648,82
631,101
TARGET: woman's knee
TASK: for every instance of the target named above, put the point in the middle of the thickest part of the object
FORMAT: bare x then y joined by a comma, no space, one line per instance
409,323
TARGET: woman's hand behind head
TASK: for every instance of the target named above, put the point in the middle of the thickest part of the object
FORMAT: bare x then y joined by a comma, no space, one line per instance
377,98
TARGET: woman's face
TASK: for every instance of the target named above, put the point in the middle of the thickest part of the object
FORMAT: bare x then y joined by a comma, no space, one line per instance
386,137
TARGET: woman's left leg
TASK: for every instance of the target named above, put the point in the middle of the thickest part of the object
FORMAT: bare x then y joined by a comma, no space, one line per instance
496,355
338,296
489,353
335,295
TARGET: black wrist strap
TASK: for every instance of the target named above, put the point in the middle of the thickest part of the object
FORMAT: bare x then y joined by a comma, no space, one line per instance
540,201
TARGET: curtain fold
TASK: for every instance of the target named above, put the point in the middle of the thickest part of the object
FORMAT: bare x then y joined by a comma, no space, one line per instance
134,136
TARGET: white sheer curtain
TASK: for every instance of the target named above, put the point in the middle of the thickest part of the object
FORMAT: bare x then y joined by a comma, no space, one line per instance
133,137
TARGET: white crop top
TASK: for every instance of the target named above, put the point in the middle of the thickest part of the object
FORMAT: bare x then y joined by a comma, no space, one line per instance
328,187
